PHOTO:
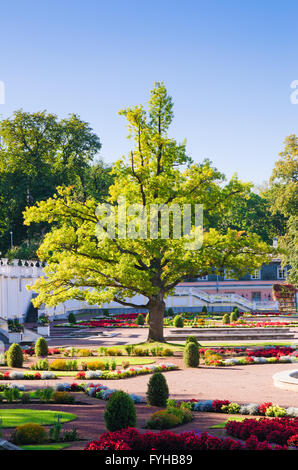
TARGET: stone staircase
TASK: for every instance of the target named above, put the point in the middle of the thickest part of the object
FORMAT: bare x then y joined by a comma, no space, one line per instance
230,334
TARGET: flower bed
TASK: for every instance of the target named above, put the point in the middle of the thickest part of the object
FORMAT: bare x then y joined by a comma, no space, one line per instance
227,407
16,375
125,373
275,430
132,439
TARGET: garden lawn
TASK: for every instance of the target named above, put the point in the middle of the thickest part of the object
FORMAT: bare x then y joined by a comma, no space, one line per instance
155,344
16,417
232,418
58,446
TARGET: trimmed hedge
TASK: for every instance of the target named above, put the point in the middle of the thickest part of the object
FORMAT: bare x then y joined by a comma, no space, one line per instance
15,356
158,390
191,355
41,348
120,412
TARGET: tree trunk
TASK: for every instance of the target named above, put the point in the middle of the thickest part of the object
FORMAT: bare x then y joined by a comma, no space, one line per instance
156,308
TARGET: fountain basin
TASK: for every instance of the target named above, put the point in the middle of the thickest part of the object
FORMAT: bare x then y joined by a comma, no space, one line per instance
287,380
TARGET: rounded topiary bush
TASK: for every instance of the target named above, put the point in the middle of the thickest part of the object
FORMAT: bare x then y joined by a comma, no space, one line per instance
192,339
30,433
41,348
120,412
158,390
140,319
204,309
15,356
226,319
233,317
170,312
191,355
178,321
236,310
71,318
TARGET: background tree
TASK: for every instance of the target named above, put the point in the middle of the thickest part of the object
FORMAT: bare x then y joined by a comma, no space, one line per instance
38,153
157,171
283,195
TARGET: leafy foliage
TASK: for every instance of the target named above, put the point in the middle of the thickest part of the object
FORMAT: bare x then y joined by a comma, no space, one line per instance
191,355
120,412
157,391
15,356
158,171
41,348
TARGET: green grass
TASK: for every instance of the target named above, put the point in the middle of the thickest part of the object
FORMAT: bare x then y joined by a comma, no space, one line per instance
155,344
232,418
57,446
223,423
16,417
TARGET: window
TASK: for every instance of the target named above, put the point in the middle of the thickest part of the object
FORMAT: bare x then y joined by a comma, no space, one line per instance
203,278
281,273
256,296
229,275
256,274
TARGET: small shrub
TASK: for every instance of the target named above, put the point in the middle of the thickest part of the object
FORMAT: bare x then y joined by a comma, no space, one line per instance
12,394
30,433
84,352
140,319
25,398
15,356
192,339
233,317
63,398
191,355
72,318
178,321
167,352
236,310
41,348
226,319
42,364
204,309
158,390
170,312
162,420
120,412
141,352
95,365
58,364
129,349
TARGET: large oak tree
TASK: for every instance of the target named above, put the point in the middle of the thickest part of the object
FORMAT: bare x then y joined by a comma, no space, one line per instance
157,171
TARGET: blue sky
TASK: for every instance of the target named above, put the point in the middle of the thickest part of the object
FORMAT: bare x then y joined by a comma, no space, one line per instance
227,64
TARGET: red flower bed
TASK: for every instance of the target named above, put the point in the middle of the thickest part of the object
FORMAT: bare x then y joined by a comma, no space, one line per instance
31,351
132,439
276,430
217,404
272,352
293,441
263,407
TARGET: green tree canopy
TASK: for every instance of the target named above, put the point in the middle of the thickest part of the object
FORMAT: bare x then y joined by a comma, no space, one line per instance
283,194
102,269
38,153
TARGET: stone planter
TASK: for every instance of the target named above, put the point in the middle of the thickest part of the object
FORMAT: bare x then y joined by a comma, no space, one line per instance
14,337
43,330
